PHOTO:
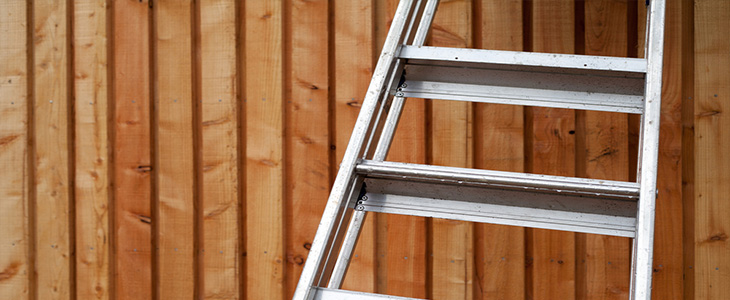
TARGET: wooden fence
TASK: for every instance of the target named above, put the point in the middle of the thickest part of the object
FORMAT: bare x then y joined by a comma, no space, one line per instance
185,149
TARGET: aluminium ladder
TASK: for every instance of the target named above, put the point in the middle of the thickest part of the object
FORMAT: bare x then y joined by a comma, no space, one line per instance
406,68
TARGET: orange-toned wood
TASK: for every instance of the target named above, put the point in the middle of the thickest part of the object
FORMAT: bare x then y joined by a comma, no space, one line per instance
219,174
263,109
132,244
353,38
15,232
174,150
307,128
451,241
603,153
551,150
499,145
668,256
92,187
53,213
712,164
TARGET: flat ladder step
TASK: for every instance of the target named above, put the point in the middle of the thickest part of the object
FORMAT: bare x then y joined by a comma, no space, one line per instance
599,83
519,199
333,294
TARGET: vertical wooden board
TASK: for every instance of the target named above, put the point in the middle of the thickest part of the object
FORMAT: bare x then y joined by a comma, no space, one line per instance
688,149
174,150
92,150
668,257
52,146
452,241
132,162
712,164
307,128
551,150
14,200
219,121
499,145
353,21
603,261
264,150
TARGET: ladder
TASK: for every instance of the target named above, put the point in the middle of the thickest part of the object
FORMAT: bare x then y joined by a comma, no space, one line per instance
367,183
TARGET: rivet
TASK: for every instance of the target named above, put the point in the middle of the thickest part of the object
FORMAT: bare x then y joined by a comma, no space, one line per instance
175,100
50,101
220,100
135,249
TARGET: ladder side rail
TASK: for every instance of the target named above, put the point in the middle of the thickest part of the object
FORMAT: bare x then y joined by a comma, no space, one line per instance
304,290
648,159
381,151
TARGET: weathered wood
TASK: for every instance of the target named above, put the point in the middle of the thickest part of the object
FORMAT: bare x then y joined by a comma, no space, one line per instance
15,267
499,145
92,187
53,213
132,245
451,241
353,38
603,153
264,150
551,150
712,164
174,163
307,131
219,121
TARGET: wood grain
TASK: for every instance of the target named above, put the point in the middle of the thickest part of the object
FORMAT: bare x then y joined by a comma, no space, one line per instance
712,164
499,145
174,150
51,135
451,241
132,153
551,150
15,266
219,121
92,187
307,131
603,262
264,107
668,257
353,38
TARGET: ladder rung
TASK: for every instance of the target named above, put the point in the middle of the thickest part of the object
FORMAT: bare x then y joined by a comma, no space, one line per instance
499,179
332,294
536,59
497,206
598,83
518,199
